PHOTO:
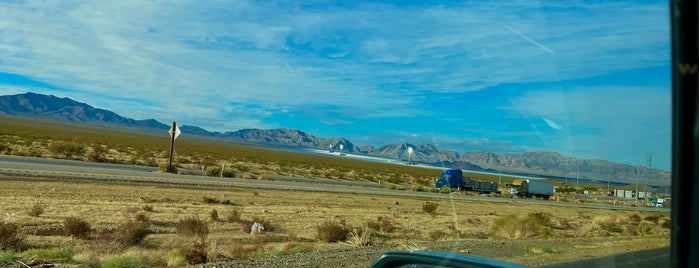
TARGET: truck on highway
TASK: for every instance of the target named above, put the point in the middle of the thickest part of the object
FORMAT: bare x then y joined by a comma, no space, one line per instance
455,180
531,188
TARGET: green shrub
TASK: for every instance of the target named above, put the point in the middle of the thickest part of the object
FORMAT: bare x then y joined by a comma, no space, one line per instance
10,236
36,210
176,258
191,227
76,227
293,248
52,254
331,231
67,150
163,167
124,262
7,257
430,207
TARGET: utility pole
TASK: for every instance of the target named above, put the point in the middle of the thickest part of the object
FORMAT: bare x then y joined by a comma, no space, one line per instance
500,176
638,154
577,174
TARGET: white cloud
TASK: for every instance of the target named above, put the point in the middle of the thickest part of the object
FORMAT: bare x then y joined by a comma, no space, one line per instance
366,59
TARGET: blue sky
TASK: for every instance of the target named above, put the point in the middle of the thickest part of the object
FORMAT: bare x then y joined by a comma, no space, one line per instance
584,78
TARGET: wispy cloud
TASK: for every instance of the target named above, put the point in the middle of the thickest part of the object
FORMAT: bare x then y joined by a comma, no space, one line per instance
530,40
552,124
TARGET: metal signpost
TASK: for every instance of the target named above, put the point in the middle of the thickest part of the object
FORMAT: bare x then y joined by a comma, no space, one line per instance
174,132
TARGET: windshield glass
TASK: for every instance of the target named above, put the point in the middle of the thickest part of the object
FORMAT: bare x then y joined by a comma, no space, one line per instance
305,133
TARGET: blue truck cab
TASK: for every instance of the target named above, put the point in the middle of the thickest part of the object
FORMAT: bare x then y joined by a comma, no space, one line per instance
451,178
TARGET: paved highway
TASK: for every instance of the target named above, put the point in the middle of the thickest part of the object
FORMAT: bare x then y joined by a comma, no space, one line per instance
13,166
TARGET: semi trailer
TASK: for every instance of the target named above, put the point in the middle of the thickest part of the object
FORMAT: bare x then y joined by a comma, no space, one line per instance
455,180
531,188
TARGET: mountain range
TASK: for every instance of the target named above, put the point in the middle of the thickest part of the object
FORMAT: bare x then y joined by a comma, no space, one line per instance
533,163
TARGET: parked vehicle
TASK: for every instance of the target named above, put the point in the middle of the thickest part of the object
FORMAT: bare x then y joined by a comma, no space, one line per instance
531,188
454,179
660,202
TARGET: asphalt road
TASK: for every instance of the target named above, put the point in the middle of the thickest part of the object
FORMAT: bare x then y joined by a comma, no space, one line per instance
55,168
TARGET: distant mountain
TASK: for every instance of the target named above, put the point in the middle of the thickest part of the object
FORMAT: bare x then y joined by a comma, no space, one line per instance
541,163
555,164
197,131
65,109
280,136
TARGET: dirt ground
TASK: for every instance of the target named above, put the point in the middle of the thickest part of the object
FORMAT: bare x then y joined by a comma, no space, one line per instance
457,226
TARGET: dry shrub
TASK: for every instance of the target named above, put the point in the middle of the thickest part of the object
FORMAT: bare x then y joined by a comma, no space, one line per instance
359,238
239,250
418,188
429,207
382,224
36,210
140,217
76,227
564,224
665,222
131,233
536,224
47,230
635,219
213,215
147,208
332,231
197,252
474,221
436,235
192,227
246,226
644,228
653,218
10,236
607,223
234,215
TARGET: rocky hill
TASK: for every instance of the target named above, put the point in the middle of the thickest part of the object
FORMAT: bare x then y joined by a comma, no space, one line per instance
540,163
65,109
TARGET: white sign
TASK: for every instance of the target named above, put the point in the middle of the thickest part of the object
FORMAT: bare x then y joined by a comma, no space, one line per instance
410,150
176,131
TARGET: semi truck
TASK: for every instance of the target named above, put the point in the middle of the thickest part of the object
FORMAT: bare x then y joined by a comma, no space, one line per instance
531,188
455,180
